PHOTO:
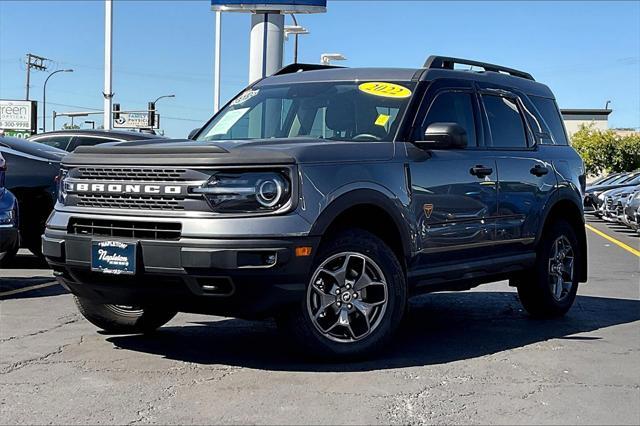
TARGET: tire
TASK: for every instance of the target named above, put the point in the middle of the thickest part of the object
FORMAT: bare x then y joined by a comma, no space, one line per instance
542,294
373,283
8,256
118,319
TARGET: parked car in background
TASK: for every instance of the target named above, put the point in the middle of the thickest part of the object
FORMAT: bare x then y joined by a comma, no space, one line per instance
631,210
9,235
32,171
594,195
69,140
613,203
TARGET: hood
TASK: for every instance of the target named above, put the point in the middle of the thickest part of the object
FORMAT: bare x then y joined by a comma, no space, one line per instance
250,152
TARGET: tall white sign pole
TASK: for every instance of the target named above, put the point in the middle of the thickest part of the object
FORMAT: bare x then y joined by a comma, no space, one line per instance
266,44
216,59
108,63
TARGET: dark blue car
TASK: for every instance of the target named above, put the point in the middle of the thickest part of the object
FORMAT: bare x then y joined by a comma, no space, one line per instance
9,235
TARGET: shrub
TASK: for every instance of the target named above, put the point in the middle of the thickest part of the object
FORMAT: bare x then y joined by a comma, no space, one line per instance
603,151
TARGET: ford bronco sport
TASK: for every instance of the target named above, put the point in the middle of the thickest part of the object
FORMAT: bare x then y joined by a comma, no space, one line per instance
326,197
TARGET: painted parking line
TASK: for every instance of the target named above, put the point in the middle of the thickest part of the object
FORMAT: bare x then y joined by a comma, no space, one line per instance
26,289
613,240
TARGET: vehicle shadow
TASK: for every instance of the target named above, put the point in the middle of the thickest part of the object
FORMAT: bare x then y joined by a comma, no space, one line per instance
440,328
26,261
20,287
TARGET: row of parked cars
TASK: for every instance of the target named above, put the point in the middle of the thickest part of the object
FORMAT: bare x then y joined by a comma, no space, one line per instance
28,182
616,198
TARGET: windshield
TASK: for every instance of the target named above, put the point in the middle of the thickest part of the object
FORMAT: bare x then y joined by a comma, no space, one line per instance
346,111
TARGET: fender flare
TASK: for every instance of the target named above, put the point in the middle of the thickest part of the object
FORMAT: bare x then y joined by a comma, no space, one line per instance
361,197
564,195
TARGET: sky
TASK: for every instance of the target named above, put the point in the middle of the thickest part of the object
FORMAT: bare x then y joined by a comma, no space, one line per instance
587,52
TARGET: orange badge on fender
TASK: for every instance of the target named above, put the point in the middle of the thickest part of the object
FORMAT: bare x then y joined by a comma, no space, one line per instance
428,209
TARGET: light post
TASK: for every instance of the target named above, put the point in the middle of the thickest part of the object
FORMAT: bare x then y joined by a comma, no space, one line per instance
326,58
152,108
44,98
296,30
92,122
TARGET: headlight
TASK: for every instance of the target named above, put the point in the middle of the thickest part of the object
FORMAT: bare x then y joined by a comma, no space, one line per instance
7,218
62,190
246,192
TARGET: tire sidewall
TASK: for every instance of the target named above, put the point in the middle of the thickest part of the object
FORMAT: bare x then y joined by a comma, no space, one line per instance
362,242
556,230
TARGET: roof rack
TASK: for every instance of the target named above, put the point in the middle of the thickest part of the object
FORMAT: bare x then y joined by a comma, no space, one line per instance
293,68
448,63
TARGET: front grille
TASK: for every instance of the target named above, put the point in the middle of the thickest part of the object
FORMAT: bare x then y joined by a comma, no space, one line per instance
132,174
125,228
130,202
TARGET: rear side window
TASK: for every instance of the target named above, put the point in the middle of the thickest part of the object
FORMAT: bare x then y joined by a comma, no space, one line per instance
89,141
60,142
549,111
505,122
453,107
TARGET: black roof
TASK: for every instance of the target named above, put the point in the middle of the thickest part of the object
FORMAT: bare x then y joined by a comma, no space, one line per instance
435,67
116,134
31,148
585,111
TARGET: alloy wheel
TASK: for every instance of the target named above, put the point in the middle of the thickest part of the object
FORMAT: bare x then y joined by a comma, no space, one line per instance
347,297
561,265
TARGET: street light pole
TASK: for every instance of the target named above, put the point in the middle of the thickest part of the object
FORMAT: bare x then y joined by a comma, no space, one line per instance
216,59
108,63
295,40
152,106
44,98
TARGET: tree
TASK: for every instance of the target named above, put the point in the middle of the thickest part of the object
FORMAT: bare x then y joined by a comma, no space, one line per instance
604,151
67,126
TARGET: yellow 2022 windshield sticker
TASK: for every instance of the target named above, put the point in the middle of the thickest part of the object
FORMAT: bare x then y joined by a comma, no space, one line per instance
386,90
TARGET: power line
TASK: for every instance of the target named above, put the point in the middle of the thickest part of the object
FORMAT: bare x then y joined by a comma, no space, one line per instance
164,117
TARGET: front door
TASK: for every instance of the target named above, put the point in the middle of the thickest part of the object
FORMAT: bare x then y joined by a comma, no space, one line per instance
454,194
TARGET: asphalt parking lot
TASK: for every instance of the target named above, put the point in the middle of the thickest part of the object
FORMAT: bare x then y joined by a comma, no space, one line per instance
470,357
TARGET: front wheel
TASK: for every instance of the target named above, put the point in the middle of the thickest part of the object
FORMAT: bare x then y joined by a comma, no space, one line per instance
551,288
120,319
354,301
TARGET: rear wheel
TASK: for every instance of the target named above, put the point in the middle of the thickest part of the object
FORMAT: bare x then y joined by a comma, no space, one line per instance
124,319
551,288
355,298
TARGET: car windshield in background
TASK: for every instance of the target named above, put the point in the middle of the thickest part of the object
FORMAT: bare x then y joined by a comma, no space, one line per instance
345,111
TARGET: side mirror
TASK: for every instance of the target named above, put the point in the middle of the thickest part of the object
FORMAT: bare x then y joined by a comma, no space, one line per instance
444,135
193,133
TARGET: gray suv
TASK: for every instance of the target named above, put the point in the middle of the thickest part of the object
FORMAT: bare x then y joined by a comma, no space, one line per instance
326,197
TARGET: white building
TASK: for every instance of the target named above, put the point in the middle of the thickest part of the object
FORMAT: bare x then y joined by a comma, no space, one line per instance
575,118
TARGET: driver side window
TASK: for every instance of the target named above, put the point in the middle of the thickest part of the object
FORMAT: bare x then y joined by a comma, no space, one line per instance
453,107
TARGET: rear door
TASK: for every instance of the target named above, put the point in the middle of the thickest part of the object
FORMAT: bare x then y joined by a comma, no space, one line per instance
454,194
525,181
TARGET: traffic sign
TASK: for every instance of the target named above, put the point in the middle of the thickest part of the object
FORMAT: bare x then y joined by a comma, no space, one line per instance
135,120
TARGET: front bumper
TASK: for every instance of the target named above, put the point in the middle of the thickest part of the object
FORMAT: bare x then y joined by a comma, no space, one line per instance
213,276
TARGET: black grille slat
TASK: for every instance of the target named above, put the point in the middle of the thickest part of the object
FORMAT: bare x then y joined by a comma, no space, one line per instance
123,228
130,202
132,174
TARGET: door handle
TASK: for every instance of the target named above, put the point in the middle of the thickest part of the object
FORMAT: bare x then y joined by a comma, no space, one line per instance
539,170
481,171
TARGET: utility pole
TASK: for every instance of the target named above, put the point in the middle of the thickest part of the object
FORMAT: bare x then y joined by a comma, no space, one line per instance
216,70
36,62
108,63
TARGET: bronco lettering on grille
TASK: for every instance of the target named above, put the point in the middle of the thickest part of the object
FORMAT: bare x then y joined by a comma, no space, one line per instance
118,188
